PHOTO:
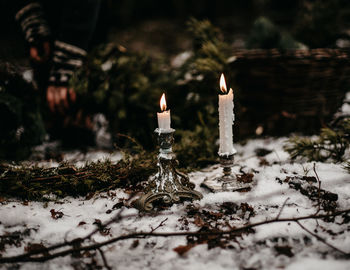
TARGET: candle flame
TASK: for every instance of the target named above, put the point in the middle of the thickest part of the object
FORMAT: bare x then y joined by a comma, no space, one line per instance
223,84
163,103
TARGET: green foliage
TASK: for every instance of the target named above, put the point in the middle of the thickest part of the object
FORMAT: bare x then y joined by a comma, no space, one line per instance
317,24
209,51
197,83
331,144
266,35
196,148
287,41
124,86
21,121
38,183
127,86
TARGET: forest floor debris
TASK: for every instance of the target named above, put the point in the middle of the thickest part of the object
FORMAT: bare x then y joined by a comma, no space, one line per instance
26,226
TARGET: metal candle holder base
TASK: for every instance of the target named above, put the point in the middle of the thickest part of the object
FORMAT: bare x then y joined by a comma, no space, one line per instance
168,185
228,181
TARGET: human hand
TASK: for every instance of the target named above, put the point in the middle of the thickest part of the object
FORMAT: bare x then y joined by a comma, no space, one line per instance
59,98
40,54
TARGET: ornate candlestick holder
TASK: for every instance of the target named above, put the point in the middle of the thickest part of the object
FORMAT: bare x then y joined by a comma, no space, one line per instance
228,181
168,185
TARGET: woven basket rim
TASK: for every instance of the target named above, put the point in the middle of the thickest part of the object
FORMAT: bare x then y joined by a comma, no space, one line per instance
318,53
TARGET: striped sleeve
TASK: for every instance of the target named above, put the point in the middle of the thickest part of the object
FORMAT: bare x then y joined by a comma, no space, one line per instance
32,21
66,59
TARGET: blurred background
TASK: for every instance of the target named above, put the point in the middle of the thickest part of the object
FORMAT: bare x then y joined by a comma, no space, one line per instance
287,61
159,27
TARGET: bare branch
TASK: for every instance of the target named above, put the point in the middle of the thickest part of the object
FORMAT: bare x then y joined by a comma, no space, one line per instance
104,259
321,239
319,190
160,225
283,205
27,257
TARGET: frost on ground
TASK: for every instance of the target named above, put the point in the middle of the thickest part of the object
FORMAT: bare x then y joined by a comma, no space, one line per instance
25,226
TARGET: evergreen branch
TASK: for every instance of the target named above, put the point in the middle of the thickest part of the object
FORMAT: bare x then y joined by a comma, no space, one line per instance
330,144
33,183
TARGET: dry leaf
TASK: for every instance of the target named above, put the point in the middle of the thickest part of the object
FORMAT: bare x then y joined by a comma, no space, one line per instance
181,250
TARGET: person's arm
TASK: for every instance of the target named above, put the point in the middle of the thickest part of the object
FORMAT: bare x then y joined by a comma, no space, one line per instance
30,16
76,28
66,59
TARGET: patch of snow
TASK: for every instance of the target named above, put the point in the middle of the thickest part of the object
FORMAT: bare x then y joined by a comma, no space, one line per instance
180,59
256,250
316,263
103,137
107,65
28,75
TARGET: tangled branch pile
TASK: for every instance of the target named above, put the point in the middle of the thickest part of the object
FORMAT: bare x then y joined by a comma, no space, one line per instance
66,180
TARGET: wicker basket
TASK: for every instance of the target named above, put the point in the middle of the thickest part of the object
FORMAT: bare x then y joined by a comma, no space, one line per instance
294,90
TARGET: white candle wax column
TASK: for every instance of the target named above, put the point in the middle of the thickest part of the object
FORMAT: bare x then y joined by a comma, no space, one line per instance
226,120
164,116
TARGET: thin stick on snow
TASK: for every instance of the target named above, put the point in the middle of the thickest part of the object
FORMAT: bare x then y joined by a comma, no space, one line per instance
321,239
27,257
283,205
319,190
104,259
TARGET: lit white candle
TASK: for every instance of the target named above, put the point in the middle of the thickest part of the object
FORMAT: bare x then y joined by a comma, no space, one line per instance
226,119
164,116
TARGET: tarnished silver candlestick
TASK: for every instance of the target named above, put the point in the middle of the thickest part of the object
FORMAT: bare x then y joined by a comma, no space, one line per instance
168,185
228,181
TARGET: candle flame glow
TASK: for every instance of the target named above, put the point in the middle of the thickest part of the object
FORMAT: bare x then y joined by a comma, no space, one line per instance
223,84
163,103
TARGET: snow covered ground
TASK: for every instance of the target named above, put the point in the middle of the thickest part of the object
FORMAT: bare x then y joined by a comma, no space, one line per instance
272,246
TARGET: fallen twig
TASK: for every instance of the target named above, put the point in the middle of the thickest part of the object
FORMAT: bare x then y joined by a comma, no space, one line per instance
322,240
28,257
283,205
104,259
160,225
319,190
